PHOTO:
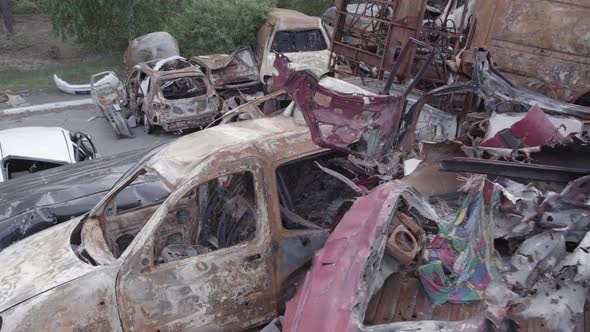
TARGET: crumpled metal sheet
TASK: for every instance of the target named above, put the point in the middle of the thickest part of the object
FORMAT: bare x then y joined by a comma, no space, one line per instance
235,71
43,199
498,93
349,115
533,130
345,270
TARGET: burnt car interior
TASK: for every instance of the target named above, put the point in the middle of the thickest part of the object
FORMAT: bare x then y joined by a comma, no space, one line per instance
217,214
310,198
290,41
17,167
183,87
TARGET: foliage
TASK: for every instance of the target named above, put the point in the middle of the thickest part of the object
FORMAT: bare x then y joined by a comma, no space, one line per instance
309,7
212,26
108,23
20,7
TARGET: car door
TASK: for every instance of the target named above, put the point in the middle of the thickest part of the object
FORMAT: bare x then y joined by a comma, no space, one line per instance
227,288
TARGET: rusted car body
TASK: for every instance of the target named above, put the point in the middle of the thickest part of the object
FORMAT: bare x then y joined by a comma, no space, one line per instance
215,255
237,71
549,55
171,94
353,265
300,37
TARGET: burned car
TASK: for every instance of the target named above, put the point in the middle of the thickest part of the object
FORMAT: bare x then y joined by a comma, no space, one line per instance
171,94
300,37
28,150
244,207
236,71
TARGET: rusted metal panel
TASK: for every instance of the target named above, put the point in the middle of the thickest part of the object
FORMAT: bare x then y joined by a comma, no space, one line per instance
84,304
543,45
238,70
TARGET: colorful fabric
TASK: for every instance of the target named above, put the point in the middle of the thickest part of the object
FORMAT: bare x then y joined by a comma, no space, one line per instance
459,262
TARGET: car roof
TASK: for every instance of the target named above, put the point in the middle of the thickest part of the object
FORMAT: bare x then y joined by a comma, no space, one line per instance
286,19
273,139
38,143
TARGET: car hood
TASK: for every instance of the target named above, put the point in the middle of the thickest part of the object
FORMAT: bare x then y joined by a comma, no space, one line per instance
39,263
316,61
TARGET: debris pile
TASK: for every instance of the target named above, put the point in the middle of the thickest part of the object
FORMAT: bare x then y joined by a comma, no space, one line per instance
414,187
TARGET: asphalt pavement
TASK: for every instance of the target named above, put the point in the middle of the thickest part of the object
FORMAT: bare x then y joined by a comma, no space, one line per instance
85,119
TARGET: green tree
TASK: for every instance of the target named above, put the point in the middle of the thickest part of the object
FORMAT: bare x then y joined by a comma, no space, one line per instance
109,23
213,26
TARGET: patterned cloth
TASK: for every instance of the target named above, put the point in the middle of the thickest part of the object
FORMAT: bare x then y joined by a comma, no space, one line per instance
459,262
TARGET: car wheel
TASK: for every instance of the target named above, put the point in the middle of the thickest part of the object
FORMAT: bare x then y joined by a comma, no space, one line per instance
147,125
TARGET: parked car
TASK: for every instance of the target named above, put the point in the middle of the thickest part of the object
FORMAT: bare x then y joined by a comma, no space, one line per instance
41,200
171,94
303,39
247,208
28,150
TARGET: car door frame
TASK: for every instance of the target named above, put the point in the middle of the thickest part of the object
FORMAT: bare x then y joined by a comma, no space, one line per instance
293,249
140,263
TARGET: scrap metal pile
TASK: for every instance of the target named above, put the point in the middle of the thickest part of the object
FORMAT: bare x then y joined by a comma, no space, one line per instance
341,201
494,236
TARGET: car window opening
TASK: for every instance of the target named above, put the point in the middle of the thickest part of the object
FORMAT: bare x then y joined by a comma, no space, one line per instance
311,198
16,167
299,41
183,87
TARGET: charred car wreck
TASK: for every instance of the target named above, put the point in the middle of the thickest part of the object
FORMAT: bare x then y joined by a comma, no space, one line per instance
171,94
235,222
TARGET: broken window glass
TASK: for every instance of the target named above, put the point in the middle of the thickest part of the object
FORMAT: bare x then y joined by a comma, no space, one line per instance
183,87
216,214
299,41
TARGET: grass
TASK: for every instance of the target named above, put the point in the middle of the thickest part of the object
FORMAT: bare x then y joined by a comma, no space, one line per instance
41,80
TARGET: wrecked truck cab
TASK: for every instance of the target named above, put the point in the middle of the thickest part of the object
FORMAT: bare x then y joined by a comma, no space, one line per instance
302,38
243,208
171,94
28,150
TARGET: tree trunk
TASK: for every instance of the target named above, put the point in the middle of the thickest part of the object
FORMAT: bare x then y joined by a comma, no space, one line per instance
6,7
130,20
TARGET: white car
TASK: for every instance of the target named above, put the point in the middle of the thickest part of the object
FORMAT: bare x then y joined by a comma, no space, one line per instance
301,38
30,149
